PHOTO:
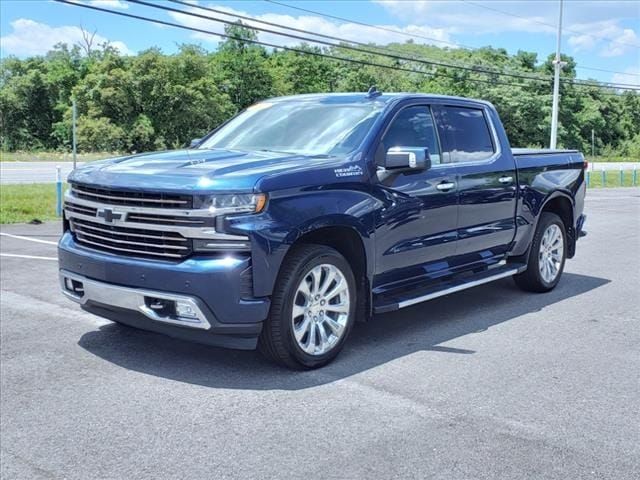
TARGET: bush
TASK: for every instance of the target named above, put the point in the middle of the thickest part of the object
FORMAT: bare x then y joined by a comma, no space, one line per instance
141,136
99,134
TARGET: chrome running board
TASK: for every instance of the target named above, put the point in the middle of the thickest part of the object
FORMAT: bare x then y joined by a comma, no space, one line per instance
396,302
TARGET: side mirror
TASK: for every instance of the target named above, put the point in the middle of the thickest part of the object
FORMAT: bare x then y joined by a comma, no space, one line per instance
407,159
194,142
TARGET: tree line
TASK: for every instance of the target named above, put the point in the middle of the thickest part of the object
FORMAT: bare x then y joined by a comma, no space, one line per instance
153,101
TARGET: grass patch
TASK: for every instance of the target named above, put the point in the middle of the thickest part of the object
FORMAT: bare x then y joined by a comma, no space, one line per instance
24,203
591,159
54,156
612,179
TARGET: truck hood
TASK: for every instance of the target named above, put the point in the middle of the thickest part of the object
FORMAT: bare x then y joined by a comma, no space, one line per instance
195,169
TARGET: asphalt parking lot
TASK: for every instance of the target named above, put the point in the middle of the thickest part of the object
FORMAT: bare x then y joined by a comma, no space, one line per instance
488,383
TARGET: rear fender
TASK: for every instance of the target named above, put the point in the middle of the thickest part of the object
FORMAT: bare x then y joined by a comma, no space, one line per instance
528,227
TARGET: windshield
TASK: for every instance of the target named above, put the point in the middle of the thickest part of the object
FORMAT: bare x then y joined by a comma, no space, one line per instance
297,127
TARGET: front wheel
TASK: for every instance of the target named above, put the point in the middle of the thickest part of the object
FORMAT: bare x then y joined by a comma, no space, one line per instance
546,257
312,308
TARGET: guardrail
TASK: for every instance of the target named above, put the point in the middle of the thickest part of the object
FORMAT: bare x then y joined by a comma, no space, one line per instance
612,178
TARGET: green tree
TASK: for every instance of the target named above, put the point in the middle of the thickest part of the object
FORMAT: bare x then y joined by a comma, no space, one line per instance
153,100
242,67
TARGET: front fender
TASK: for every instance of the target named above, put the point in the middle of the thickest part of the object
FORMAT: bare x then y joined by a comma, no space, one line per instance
293,214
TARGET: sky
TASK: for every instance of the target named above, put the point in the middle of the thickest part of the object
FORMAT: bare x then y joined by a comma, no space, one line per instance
602,35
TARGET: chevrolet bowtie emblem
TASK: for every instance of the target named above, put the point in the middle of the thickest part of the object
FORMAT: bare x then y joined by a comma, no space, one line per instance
109,215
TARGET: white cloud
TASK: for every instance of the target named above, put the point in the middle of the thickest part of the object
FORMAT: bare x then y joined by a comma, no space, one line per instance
34,38
347,31
582,42
407,9
459,17
584,26
631,76
108,3
607,36
622,43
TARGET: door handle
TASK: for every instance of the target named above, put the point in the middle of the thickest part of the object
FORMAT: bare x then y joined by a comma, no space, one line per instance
505,179
444,186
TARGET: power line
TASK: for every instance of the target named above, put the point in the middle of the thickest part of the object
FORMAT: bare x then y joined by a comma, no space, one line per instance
401,55
272,45
379,27
322,42
532,20
361,50
292,49
608,71
354,42
410,35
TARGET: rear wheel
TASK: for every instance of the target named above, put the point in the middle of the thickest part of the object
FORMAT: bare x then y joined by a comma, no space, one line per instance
312,308
547,256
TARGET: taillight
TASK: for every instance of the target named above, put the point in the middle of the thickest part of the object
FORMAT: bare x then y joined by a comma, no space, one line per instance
585,165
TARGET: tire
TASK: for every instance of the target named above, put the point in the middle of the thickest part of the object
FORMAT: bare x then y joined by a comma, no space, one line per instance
313,314
536,278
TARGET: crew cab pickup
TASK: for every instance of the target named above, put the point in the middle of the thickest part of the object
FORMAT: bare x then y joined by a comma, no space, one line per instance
304,214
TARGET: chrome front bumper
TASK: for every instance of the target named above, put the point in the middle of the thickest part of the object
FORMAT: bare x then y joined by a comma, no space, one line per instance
162,307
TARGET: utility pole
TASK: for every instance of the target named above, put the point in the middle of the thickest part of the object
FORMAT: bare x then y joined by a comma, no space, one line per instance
593,143
73,130
558,64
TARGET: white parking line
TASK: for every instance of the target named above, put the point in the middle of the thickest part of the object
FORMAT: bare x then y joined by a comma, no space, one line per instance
37,240
33,257
30,306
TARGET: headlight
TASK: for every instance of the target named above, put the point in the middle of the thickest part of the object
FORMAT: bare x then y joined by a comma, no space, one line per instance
232,203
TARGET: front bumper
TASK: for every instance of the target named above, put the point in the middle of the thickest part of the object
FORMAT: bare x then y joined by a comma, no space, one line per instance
216,293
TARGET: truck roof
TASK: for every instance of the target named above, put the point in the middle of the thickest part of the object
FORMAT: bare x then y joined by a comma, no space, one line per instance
358,97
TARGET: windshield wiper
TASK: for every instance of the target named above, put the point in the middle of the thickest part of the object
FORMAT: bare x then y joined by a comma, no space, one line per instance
313,155
277,151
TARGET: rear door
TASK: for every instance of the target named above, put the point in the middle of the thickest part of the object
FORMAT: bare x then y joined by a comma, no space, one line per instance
486,182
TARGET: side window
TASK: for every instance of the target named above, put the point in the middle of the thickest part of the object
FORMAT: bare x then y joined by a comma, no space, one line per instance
413,127
468,133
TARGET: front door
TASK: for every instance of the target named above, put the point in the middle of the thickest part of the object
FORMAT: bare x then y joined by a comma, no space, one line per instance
416,232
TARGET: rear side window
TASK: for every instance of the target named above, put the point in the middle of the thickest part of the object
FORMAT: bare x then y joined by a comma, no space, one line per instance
468,133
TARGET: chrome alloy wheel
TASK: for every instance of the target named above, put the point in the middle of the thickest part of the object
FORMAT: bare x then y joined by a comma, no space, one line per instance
551,253
321,308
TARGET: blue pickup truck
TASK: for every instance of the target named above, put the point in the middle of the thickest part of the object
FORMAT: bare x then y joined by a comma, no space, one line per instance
304,214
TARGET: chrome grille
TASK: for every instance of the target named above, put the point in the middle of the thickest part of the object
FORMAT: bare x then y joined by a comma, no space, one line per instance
133,199
139,231
167,220
82,209
130,241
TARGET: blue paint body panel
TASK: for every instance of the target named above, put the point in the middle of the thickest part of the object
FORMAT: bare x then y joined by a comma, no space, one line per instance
410,231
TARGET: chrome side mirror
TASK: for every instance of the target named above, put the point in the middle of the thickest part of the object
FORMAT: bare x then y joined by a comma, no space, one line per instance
407,159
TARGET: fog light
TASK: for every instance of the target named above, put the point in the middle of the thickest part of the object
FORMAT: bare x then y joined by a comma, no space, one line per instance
73,286
185,309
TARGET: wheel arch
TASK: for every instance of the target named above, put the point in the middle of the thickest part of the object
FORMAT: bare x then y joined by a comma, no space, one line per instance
562,205
349,242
